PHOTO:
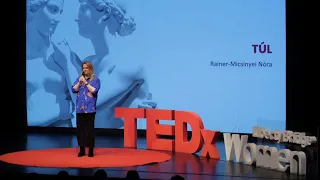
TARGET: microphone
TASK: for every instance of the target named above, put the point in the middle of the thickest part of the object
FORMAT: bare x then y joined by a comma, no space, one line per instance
83,76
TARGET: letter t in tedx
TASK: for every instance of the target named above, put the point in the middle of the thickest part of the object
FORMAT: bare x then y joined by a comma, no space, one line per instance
130,116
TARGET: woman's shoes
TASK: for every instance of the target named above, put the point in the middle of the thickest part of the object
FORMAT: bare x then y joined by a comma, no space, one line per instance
82,151
90,152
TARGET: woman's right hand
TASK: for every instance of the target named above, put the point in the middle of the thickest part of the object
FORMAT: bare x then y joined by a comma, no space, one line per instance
81,79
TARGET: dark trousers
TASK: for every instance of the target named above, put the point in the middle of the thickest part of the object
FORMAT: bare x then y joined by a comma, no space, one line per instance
85,129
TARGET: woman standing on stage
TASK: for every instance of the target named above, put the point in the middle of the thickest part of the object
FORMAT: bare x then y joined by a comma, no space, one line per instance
86,87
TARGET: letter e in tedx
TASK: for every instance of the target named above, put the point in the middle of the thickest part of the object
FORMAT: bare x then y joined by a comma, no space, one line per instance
154,129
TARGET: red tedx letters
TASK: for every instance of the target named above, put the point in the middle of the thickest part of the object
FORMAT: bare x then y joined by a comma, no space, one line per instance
201,138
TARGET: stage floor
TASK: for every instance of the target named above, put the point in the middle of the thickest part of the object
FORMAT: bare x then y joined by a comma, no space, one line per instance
188,166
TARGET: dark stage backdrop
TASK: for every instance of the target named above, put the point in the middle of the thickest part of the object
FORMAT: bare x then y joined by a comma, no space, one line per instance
300,114
13,115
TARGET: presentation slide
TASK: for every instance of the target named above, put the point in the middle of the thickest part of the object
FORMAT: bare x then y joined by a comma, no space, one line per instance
224,60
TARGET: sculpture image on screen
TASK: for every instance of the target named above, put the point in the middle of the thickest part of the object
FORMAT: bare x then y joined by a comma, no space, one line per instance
225,62
48,98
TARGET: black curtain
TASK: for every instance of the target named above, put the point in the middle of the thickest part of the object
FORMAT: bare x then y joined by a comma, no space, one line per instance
302,69
13,72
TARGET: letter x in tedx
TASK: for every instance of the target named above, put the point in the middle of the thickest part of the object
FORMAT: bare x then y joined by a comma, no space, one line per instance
210,149
200,137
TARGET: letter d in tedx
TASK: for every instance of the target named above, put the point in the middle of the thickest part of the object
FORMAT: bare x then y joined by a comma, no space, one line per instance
183,118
